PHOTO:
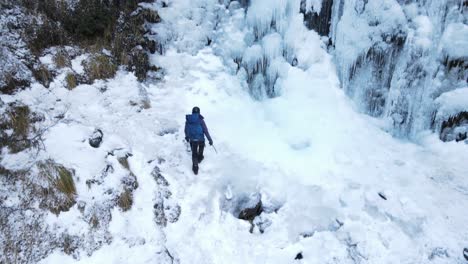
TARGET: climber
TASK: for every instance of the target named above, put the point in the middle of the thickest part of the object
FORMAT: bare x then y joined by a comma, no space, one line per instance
195,132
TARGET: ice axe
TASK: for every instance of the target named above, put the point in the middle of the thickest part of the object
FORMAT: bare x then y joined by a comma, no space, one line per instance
214,149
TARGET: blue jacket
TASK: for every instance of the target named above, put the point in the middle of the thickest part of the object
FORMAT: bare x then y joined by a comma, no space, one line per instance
195,128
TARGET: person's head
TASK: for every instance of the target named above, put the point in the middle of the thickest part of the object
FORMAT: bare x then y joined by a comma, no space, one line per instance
196,110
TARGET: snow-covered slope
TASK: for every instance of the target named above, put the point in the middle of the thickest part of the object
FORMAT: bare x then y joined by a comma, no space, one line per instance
335,187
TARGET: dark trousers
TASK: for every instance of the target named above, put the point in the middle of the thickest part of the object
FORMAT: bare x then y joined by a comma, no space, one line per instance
197,151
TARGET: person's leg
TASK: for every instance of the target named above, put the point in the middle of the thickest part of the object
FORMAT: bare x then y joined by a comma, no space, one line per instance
194,147
201,147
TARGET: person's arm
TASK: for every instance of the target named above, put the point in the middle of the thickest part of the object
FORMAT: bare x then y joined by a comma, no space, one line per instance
205,131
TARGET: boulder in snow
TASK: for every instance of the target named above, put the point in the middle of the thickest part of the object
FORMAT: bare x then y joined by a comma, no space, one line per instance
299,256
455,128
96,138
250,207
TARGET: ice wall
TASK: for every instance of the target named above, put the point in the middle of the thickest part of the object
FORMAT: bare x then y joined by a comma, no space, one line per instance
395,58
264,37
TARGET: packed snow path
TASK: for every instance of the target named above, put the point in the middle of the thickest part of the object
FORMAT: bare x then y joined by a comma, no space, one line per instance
307,152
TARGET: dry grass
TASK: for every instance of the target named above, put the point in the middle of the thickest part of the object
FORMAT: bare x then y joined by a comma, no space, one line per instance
146,104
64,182
125,200
94,221
60,177
100,67
61,59
71,81
43,75
19,120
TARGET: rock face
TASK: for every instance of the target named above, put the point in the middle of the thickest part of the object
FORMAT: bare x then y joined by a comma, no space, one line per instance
318,20
455,128
96,138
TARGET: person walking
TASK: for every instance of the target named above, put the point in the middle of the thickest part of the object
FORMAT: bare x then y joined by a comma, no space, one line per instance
195,132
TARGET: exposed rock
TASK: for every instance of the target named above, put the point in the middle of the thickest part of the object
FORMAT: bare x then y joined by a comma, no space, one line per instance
318,21
299,256
294,62
438,252
96,138
455,128
465,253
250,207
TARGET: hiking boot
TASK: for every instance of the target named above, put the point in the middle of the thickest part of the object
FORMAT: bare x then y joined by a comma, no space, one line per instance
200,159
195,169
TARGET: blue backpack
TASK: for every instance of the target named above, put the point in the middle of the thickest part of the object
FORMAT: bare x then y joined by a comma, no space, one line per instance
194,127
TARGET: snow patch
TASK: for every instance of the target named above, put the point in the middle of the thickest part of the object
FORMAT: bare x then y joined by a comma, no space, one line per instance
455,40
